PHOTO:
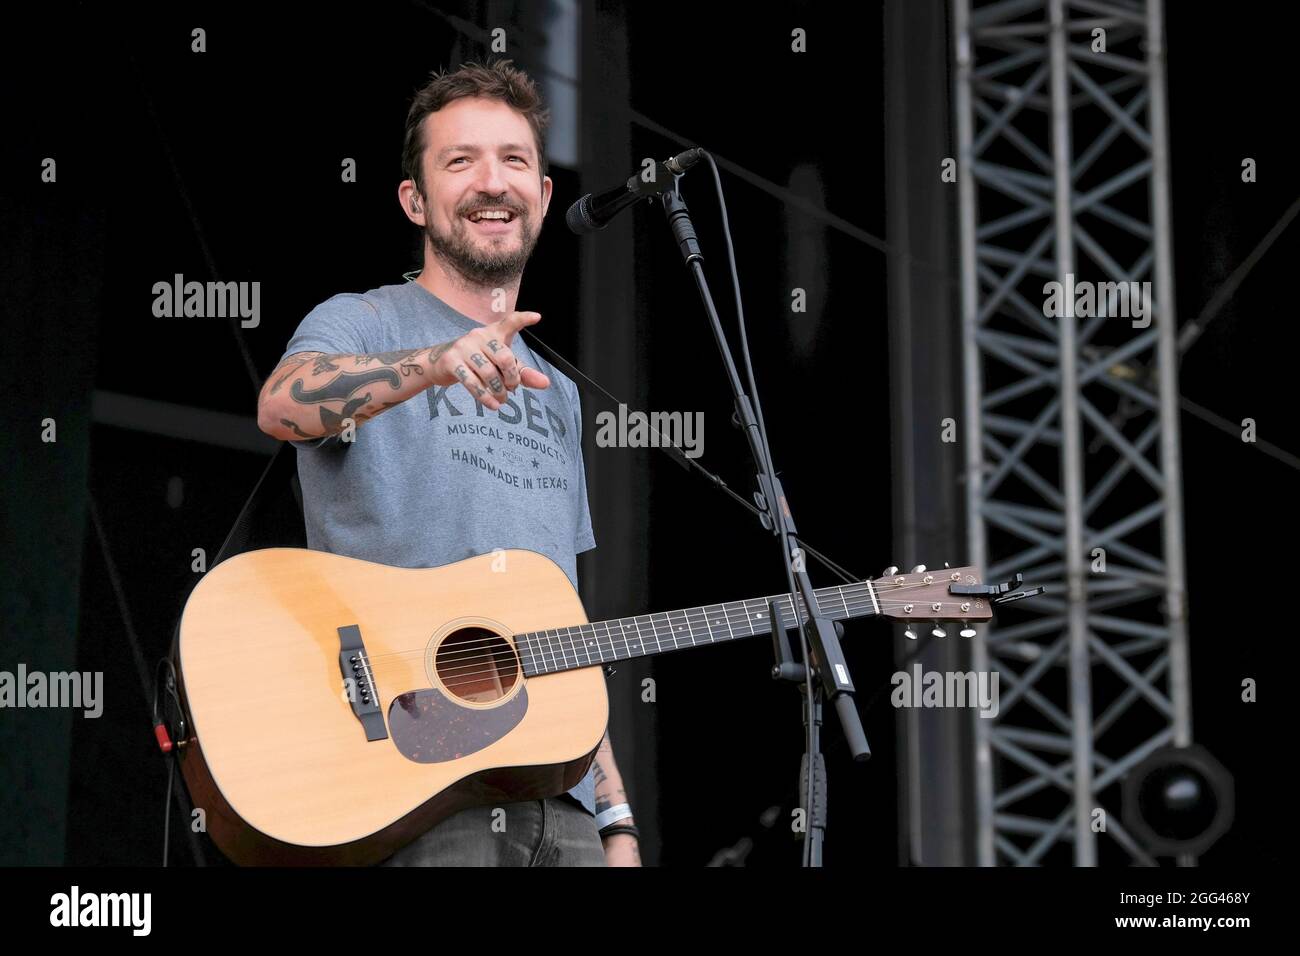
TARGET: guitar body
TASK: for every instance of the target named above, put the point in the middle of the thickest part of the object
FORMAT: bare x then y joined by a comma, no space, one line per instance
274,750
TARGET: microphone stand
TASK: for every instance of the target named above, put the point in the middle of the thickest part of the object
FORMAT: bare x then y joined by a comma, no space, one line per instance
823,673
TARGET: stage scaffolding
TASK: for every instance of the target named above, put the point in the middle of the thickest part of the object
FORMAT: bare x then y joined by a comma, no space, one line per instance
1072,473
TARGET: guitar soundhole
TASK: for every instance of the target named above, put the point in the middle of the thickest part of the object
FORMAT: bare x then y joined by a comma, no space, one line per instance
476,664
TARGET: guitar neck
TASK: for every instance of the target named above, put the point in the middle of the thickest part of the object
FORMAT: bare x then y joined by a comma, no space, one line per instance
624,638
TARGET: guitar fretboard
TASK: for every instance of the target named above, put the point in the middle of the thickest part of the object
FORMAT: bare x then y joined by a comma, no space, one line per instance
621,639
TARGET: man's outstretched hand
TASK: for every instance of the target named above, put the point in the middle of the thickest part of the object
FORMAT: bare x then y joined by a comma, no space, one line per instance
483,362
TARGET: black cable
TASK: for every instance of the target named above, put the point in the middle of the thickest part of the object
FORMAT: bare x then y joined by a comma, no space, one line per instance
167,813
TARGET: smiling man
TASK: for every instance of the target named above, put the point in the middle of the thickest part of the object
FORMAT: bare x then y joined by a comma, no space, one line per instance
423,484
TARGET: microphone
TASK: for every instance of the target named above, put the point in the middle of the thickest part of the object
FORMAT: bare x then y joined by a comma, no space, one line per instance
594,210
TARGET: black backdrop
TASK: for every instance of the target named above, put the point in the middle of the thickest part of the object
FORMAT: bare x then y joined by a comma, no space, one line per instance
226,165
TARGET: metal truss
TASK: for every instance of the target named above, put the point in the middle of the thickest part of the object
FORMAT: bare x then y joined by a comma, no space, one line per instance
1072,470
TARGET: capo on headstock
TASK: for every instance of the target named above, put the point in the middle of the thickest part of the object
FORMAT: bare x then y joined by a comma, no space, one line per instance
999,593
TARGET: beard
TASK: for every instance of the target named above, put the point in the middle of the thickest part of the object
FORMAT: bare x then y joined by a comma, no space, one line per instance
484,260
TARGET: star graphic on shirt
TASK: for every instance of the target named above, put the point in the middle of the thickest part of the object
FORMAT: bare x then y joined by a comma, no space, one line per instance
489,447
534,462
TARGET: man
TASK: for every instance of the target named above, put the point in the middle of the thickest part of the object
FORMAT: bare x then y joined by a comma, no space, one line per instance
489,453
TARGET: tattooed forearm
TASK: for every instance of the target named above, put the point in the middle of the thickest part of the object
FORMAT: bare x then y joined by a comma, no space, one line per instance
392,358
291,366
290,424
337,388
335,421
342,385
609,782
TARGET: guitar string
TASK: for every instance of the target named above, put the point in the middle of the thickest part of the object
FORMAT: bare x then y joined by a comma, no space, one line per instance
720,617
503,666
702,611
503,662
727,616
472,653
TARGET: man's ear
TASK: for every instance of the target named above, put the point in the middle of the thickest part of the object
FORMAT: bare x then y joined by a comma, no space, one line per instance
547,186
409,198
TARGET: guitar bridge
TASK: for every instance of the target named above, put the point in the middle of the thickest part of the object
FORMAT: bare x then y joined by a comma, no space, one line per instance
359,682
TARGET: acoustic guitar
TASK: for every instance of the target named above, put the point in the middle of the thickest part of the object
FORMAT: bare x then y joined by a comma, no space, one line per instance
333,709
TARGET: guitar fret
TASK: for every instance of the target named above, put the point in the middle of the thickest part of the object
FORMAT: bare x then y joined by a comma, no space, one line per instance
572,648
550,643
559,642
561,662
535,653
577,649
636,624
658,641
727,617
627,647
610,638
690,625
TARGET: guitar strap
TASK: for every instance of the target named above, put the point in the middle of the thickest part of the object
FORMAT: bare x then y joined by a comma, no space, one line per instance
252,525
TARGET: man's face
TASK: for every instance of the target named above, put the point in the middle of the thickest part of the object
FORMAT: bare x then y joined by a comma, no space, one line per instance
480,156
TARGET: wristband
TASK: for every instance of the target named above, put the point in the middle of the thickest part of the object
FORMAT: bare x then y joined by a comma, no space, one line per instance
610,831
606,817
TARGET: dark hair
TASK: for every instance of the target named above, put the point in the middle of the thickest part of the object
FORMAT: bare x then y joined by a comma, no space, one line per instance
499,80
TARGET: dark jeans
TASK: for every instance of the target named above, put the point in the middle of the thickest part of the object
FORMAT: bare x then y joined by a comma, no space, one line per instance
551,832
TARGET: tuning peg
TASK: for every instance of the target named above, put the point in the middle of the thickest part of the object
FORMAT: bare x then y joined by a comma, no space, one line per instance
890,571
939,632
909,634
918,569
967,632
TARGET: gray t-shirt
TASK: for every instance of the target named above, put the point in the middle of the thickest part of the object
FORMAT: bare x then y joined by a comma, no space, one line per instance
440,478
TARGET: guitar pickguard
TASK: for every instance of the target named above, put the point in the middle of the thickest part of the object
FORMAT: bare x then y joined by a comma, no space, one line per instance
429,727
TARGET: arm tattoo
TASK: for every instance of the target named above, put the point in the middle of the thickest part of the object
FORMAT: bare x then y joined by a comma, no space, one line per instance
289,423
391,358
290,366
343,385
333,421
276,387
362,417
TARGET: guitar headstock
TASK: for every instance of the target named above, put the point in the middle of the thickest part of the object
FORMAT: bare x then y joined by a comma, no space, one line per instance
924,596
